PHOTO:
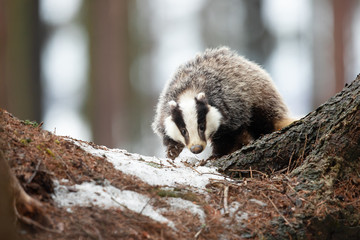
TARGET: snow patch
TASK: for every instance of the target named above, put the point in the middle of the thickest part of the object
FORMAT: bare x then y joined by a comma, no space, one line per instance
89,194
156,171
236,213
165,173
261,203
181,204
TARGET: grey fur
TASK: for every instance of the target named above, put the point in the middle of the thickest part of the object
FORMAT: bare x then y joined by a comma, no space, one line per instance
231,83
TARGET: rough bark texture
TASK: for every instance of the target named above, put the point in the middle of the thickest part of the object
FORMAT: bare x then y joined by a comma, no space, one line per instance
322,151
334,125
7,215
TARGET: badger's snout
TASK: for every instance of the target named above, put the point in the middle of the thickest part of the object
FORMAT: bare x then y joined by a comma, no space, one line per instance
196,149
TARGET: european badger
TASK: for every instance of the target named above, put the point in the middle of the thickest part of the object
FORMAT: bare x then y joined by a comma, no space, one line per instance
218,97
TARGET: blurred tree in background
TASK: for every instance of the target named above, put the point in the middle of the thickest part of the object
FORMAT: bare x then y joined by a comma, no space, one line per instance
97,74
111,94
20,29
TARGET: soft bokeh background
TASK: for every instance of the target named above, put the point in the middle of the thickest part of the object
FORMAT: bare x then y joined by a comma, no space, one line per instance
93,69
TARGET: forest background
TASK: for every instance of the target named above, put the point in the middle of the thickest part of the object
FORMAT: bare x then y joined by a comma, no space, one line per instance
94,69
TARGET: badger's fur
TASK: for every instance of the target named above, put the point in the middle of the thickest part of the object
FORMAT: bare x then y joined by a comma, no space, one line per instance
218,97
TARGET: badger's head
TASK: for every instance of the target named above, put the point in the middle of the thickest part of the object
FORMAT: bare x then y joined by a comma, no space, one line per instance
192,121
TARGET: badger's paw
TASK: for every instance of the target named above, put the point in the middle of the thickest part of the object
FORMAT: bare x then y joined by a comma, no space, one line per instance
174,150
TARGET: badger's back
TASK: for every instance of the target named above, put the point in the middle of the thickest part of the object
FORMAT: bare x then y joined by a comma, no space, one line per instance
237,87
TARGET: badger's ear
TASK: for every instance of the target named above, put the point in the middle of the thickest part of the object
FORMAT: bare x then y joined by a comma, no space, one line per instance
172,105
201,97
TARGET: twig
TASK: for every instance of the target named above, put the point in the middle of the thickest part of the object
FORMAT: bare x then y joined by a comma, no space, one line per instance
172,164
223,182
35,172
216,174
251,176
147,203
301,158
91,235
288,168
292,189
203,162
120,204
124,206
278,210
195,170
31,222
250,170
349,203
281,171
199,232
226,194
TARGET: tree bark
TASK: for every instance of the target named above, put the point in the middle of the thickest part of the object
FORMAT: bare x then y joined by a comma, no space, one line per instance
109,74
321,151
7,214
333,127
20,86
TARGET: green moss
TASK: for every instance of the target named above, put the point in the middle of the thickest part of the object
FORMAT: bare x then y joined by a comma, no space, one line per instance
25,141
155,165
167,193
48,151
31,123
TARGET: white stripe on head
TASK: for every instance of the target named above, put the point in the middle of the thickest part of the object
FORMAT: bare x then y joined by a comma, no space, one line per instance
173,131
213,121
187,105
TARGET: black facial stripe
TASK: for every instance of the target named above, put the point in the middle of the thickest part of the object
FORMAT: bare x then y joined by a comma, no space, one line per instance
178,119
202,109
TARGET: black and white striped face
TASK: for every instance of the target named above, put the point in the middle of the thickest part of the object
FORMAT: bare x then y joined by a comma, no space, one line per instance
192,121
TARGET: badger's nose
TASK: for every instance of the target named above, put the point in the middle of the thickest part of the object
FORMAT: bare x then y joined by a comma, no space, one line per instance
196,149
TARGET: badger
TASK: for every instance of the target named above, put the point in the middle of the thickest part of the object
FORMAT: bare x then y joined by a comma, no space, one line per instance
218,98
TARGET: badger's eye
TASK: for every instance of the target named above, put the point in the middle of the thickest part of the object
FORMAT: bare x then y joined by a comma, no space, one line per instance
202,127
183,131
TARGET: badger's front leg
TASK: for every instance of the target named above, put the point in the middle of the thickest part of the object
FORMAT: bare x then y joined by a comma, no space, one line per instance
228,141
173,148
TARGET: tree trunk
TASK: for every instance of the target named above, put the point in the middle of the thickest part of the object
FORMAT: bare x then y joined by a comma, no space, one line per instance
109,74
322,151
20,87
7,215
333,127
